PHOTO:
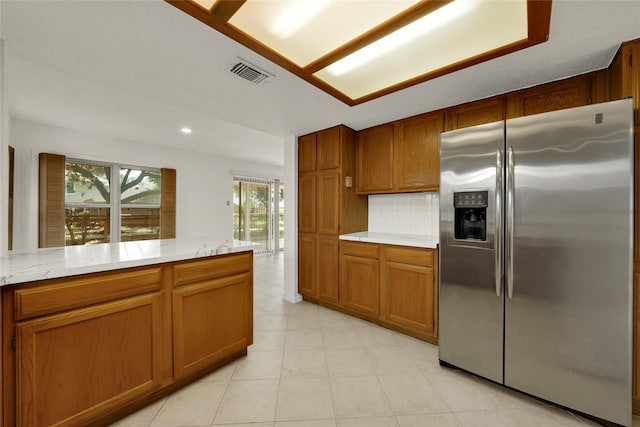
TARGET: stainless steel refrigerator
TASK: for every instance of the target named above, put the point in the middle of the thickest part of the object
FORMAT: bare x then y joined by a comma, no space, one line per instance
536,228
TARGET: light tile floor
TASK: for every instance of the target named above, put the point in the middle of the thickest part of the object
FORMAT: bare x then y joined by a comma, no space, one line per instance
314,367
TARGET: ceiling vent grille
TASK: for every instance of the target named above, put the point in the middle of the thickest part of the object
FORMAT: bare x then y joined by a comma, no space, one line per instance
250,72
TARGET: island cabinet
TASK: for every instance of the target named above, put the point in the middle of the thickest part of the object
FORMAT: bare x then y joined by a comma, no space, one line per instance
394,286
88,349
212,312
403,156
327,207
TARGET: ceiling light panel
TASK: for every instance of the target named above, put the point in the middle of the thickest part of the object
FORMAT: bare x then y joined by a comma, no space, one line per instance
457,31
305,30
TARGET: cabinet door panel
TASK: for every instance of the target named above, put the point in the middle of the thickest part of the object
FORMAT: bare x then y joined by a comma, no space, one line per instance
476,113
568,93
211,321
360,284
416,152
307,204
57,381
409,296
307,265
329,203
374,160
328,142
307,153
327,269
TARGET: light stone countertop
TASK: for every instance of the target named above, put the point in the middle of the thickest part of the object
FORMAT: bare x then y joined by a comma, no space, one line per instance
39,264
415,240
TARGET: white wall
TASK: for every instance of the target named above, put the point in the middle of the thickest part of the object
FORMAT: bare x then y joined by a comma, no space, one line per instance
405,213
204,182
4,157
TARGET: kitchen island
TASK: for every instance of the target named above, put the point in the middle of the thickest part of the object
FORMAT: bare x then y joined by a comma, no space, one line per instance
92,333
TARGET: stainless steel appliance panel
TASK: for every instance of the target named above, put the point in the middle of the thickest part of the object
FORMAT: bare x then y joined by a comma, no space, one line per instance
569,258
470,302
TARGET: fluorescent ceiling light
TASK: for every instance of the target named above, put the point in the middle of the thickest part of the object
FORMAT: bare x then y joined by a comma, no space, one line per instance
358,50
296,16
402,36
186,130
206,4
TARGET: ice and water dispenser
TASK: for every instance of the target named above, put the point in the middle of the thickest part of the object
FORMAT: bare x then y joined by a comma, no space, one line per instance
470,215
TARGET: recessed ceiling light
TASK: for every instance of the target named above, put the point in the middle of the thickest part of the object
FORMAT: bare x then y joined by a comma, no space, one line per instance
186,130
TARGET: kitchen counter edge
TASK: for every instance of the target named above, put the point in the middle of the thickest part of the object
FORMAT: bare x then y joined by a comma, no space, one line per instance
49,263
419,241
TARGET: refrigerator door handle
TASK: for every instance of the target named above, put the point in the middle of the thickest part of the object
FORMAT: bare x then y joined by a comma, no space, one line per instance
499,225
510,217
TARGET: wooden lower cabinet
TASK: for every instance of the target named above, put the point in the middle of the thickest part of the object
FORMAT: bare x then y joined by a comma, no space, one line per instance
307,265
75,366
94,347
211,321
327,269
360,284
409,289
395,286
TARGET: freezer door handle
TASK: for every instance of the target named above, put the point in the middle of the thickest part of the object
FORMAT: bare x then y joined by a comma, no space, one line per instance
499,225
510,215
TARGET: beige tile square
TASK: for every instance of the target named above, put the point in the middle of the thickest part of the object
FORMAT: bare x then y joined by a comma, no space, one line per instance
270,322
304,364
308,423
246,425
268,340
461,391
412,394
548,416
194,405
304,399
302,308
143,417
341,338
223,373
358,397
330,319
505,398
250,401
393,360
304,340
259,365
368,422
373,335
429,420
348,363
303,322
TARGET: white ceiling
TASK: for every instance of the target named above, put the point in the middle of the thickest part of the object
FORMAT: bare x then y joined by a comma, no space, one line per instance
141,70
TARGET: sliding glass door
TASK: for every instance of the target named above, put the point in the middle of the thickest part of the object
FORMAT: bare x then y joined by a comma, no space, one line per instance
258,213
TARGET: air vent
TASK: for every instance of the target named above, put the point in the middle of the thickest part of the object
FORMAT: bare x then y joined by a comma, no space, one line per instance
250,72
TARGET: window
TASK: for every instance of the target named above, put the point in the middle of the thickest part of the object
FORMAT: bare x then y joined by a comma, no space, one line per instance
91,199
258,212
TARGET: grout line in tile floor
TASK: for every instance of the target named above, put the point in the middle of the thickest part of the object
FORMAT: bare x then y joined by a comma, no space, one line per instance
349,355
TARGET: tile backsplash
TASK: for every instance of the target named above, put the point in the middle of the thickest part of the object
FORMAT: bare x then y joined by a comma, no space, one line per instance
407,213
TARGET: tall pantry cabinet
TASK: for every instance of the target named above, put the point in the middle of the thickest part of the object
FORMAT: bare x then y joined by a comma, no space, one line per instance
327,207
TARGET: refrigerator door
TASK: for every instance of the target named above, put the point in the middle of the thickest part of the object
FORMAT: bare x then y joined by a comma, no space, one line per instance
568,309
470,299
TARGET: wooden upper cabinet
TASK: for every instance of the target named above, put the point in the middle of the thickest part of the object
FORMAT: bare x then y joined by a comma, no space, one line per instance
307,153
476,113
328,146
307,204
568,93
624,75
416,152
374,160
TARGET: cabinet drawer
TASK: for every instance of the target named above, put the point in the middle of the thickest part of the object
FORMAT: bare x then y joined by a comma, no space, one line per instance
64,294
367,250
210,268
406,255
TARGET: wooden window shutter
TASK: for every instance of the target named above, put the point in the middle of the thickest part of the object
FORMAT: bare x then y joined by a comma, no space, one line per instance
168,204
51,201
